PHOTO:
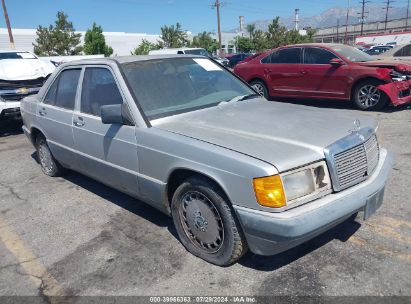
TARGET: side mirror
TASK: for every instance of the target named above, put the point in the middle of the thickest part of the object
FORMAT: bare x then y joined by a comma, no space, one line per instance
336,62
112,114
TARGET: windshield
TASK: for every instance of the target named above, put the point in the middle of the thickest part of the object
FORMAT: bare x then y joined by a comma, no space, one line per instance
201,52
352,53
17,55
166,87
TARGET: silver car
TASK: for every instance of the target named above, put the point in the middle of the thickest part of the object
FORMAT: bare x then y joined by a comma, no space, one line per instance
186,136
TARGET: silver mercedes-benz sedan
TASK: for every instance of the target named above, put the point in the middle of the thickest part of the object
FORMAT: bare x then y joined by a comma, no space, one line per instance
186,136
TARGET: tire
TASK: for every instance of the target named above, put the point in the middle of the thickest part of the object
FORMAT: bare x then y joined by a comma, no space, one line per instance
48,163
205,223
367,97
260,87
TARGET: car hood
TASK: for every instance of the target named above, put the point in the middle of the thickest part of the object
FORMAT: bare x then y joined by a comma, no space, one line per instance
284,135
387,62
24,69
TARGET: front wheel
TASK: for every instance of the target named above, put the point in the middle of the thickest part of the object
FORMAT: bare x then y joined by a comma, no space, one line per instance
368,97
205,223
260,87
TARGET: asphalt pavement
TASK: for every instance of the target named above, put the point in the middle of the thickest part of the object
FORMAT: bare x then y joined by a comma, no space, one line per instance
74,236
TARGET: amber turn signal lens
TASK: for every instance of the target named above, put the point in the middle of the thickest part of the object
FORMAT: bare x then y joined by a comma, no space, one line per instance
269,191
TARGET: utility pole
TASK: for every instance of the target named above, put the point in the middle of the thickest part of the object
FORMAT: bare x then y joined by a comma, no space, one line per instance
387,8
6,16
217,5
338,25
406,19
346,24
363,12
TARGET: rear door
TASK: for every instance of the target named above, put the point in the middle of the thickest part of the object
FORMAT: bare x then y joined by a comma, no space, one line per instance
106,152
282,71
56,112
320,78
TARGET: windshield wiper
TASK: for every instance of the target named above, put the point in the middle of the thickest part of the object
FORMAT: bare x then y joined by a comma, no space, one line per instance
240,98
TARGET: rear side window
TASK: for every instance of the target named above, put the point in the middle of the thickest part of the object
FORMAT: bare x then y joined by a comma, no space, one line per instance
62,92
284,56
99,89
317,56
405,51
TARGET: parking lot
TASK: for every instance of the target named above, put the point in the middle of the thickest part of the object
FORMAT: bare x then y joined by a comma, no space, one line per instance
74,236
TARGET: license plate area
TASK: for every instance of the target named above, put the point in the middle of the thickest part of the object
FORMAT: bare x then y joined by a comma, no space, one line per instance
374,202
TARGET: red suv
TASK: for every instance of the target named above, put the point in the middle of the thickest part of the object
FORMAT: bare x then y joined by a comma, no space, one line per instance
328,71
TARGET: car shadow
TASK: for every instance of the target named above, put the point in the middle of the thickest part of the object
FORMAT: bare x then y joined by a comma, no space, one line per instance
10,127
337,104
120,199
341,232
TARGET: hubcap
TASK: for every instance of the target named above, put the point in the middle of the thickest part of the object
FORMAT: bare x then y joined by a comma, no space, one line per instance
369,95
45,158
259,88
201,221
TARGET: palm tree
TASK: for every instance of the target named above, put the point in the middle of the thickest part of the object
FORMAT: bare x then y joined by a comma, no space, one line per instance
251,29
173,36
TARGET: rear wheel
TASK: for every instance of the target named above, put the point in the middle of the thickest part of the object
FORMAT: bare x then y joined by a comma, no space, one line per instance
48,164
205,223
260,87
368,97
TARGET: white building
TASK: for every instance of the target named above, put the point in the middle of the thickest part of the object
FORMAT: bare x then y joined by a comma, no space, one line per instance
122,43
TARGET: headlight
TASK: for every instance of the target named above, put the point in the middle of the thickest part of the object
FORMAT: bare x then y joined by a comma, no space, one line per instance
396,76
285,189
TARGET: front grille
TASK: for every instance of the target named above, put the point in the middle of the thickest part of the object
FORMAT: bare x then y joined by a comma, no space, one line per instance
356,164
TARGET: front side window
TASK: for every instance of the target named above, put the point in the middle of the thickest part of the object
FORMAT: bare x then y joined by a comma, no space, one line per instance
406,51
99,89
165,87
62,92
317,56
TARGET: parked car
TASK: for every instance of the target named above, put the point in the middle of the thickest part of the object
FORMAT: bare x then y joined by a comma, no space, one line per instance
401,52
237,58
21,74
190,51
187,137
328,71
378,50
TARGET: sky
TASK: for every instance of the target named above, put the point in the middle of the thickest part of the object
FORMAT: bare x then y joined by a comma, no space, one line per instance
147,16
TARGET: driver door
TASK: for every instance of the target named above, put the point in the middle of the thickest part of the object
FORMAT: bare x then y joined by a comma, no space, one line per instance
106,152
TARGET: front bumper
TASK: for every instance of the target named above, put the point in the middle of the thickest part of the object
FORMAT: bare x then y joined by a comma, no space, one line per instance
10,109
272,233
398,92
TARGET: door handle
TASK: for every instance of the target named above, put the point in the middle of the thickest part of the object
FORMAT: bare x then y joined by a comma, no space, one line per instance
304,72
79,122
43,112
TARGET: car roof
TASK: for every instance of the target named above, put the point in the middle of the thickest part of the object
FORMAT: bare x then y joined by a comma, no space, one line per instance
13,51
392,51
127,59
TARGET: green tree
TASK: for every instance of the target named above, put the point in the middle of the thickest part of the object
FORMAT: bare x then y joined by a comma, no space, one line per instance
205,41
244,44
260,41
59,39
95,43
276,34
173,36
144,47
251,29
44,45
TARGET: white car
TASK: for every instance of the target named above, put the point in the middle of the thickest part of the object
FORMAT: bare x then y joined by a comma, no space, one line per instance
21,74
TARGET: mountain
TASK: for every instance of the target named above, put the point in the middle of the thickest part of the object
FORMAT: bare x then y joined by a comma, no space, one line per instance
329,17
